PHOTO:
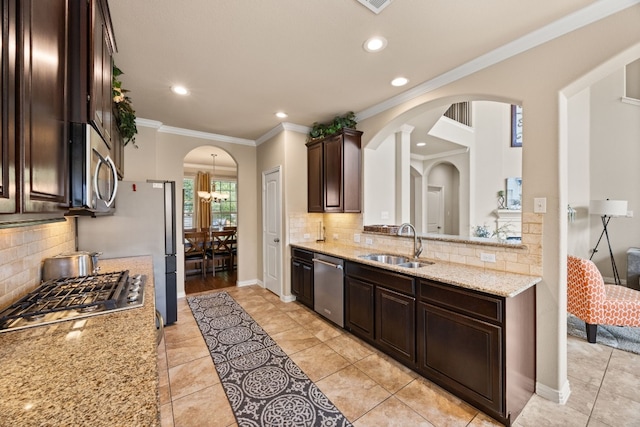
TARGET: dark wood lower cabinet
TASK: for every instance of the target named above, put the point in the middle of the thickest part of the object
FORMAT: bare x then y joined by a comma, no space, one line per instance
359,313
396,324
302,276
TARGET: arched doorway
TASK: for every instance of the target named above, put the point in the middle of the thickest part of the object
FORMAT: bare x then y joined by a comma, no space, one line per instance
210,202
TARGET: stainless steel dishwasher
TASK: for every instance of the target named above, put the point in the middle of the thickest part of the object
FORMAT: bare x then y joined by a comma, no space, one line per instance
328,287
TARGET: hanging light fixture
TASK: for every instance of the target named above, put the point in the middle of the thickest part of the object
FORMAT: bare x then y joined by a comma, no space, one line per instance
206,196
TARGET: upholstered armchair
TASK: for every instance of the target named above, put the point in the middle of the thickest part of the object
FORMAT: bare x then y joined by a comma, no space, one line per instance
589,299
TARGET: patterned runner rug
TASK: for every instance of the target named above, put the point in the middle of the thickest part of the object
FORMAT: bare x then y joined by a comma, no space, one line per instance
263,385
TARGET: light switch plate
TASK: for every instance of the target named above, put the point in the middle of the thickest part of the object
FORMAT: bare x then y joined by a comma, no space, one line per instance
540,205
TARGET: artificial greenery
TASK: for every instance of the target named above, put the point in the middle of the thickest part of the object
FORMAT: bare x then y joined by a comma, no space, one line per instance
125,114
321,130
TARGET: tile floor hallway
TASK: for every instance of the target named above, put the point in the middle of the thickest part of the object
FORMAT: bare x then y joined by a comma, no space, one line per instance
372,389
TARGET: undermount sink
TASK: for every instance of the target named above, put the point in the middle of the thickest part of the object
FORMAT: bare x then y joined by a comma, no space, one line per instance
415,264
387,259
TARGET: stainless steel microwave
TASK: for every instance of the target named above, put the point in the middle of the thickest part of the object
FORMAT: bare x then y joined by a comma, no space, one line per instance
93,175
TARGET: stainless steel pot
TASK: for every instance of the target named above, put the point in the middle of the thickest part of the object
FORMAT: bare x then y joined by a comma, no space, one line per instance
72,264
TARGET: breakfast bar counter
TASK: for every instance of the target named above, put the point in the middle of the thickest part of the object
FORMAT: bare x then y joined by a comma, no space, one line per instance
97,371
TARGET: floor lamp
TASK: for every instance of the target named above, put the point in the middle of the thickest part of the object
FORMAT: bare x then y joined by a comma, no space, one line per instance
608,209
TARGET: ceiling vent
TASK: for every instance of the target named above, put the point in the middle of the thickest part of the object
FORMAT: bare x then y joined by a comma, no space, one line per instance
375,6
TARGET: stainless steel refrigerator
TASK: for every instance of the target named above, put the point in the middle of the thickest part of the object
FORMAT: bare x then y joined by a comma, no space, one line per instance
144,223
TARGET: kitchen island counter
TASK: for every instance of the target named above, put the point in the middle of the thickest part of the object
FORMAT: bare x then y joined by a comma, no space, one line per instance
97,371
493,282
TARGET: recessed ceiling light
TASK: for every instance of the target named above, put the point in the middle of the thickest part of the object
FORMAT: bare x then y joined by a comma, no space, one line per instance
375,44
399,81
281,115
180,90
421,144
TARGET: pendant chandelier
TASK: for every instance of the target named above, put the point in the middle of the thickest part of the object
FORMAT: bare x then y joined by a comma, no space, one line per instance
214,195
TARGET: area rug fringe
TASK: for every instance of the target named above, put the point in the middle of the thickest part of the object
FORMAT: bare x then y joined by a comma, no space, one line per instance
264,386
620,337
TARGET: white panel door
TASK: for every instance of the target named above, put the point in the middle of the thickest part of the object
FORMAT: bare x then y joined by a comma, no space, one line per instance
271,201
435,210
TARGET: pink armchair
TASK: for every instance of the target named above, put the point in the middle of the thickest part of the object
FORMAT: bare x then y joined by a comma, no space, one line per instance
589,299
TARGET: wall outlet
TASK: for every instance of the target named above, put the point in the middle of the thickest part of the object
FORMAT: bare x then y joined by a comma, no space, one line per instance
356,238
335,237
487,257
384,215
368,241
629,214
307,235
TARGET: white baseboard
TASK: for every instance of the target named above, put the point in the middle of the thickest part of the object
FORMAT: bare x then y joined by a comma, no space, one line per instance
249,283
287,298
556,396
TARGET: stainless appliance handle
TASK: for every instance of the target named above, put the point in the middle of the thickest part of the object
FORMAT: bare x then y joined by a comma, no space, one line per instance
114,173
330,264
160,327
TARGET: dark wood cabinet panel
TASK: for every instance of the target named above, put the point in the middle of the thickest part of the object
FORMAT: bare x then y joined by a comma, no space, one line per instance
396,324
359,302
43,108
462,352
8,176
302,276
333,171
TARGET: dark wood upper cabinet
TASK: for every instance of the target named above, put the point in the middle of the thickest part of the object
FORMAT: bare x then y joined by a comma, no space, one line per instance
8,199
333,173
42,104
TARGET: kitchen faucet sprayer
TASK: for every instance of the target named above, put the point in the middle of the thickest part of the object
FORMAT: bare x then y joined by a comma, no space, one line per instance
417,250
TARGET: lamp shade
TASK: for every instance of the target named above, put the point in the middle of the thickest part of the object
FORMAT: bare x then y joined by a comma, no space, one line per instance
608,207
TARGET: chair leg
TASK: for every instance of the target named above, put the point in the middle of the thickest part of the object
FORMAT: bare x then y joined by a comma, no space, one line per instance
592,331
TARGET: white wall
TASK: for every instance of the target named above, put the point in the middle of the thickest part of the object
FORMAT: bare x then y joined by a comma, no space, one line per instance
379,183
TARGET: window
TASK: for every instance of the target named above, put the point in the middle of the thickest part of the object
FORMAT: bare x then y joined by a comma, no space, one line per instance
187,206
222,213
225,212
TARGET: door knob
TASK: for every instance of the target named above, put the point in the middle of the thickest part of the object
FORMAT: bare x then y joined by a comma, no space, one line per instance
276,240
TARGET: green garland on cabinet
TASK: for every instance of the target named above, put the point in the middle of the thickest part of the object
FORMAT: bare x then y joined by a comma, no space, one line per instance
321,130
125,114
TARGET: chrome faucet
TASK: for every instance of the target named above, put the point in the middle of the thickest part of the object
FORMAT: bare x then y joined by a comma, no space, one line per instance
417,240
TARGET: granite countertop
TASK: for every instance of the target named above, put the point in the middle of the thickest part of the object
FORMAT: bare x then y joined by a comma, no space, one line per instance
489,281
98,371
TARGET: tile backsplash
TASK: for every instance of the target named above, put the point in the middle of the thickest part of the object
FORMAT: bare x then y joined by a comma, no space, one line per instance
22,250
346,228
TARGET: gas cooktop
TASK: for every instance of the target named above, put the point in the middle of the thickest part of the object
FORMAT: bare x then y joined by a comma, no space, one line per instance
74,298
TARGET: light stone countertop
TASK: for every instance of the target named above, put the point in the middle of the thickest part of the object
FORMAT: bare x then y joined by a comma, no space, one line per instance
102,373
489,281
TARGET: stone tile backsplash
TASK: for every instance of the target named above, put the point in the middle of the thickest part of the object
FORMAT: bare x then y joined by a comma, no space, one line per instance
342,228
22,250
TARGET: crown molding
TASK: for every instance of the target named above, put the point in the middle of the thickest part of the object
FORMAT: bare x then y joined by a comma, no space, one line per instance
440,155
585,16
146,123
284,126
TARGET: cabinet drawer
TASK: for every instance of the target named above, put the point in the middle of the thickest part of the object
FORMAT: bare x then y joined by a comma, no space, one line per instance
302,254
381,277
463,301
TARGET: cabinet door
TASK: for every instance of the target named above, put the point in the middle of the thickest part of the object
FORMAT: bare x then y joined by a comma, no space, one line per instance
461,353
44,108
359,300
315,173
333,178
8,201
296,277
395,324
302,282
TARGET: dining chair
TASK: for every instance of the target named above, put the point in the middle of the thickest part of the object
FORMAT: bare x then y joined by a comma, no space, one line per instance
195,250
222,248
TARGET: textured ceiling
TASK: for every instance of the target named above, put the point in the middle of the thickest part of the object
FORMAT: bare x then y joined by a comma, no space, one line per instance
245,60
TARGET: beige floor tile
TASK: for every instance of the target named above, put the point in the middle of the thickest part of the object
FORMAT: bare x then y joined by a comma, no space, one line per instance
323,330
389,374
391,413
275,322
181,332
166,415
164,391
616,410
303,317
185,351
625,361
295,340
319,361
436,405
483,420
541,412
587,361
583,395
352,391
192,376
350,347
208,407
622,383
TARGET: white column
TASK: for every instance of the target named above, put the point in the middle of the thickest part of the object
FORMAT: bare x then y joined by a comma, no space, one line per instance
403,174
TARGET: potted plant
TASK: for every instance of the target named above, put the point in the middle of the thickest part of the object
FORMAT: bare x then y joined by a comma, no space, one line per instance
124,112
322,130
